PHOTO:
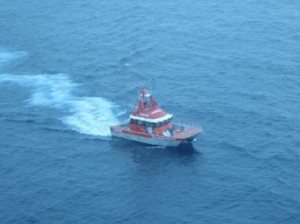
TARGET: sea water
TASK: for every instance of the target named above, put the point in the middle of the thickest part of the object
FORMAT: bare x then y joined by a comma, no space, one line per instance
70,69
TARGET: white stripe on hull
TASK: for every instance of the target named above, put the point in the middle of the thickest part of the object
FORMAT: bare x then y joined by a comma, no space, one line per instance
151,141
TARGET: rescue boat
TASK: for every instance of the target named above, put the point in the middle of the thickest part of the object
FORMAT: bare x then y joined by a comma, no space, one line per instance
150,124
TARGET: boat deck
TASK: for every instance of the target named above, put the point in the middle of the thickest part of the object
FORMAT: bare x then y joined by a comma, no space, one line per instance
179,131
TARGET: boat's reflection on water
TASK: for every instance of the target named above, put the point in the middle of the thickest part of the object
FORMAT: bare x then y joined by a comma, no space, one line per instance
185,149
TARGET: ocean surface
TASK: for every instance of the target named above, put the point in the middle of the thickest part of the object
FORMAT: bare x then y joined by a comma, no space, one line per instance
70,69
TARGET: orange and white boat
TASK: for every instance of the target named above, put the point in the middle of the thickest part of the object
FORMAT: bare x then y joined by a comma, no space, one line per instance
149,124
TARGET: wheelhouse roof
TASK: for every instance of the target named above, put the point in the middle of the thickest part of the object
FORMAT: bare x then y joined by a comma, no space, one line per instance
156,120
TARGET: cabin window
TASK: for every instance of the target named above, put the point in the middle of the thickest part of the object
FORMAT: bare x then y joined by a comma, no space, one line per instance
159,124
140,123
132,121
151,125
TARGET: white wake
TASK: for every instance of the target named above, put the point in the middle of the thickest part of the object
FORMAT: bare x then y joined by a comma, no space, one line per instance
7,56
88,115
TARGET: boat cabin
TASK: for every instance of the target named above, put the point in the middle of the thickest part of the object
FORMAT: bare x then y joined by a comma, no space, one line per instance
148,117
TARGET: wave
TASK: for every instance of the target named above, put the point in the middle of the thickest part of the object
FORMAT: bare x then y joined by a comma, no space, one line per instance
87,115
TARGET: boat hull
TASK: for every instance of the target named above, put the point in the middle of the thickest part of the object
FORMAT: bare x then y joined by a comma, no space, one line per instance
151,139
145,140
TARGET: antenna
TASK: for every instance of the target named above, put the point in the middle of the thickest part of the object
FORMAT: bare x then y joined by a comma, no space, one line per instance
149,84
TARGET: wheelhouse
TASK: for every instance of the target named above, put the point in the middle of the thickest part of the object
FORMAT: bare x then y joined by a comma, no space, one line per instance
150,124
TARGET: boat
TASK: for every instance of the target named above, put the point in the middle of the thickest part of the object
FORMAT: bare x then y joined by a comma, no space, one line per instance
150,124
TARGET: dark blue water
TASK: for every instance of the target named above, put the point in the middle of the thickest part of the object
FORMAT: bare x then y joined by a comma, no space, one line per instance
69,69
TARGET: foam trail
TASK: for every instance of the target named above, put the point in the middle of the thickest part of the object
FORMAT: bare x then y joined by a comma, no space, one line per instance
88,115
6,56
